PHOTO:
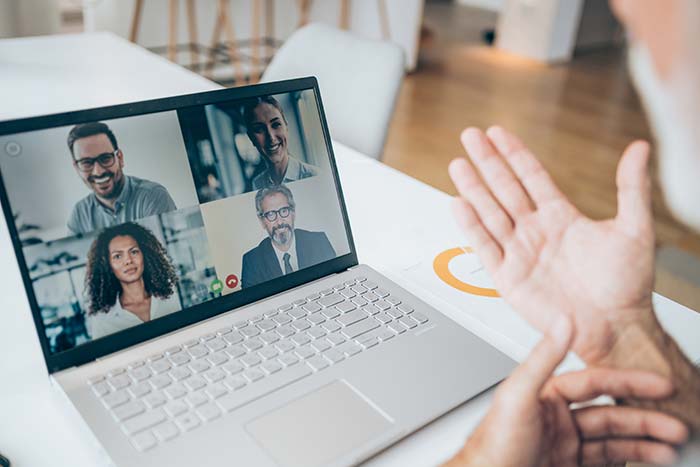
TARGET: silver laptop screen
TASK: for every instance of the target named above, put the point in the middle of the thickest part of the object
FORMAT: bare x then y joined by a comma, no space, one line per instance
128,220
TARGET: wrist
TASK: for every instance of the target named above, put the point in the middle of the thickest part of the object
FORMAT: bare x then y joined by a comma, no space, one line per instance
639,345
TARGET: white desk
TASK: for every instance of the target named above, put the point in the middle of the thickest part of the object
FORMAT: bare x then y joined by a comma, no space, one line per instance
37,428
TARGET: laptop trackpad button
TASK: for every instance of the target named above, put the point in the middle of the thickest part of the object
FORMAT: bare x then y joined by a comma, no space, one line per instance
319,427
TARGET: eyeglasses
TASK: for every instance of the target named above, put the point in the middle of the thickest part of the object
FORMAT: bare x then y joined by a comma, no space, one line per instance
283,212
106,160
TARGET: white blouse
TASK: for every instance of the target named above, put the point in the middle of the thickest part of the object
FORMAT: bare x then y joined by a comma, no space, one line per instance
117,318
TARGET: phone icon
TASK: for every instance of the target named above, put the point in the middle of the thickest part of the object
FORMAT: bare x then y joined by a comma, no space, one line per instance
231,281
216,286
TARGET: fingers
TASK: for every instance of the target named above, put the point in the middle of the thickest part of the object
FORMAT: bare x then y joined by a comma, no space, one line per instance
533,177
486,247
584,385
634,189
619,450
472,189
496,173
610,421
533,373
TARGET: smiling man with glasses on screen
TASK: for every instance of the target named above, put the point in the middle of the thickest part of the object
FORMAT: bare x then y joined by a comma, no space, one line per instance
116,197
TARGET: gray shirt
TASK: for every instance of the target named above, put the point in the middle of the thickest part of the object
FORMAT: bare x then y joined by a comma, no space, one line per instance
139,198
296,170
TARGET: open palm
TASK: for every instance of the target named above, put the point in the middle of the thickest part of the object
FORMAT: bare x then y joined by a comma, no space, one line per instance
545,257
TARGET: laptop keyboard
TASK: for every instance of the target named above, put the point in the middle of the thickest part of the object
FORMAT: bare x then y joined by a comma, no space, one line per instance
188,385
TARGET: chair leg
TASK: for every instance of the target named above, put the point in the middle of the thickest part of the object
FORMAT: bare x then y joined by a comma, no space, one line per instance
304,12
270,27
211,56
192,27
384,19
136,21
255,42
172,33
231,44
344,21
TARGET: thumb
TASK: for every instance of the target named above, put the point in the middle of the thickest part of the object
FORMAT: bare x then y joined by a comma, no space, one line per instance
529,378
634,189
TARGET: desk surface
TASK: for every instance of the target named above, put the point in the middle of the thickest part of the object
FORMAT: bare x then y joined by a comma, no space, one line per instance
48,75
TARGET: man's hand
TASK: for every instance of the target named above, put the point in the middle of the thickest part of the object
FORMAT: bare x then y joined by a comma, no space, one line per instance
530,423
545,257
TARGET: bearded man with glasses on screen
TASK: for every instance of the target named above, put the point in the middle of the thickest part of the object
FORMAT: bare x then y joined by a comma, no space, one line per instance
116,197
286,249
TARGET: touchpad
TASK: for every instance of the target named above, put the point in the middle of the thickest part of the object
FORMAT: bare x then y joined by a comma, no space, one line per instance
319,427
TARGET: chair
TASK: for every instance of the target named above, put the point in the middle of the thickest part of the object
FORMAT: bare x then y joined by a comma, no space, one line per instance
359,80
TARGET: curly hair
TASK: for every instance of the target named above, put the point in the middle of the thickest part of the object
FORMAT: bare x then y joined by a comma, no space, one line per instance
103,287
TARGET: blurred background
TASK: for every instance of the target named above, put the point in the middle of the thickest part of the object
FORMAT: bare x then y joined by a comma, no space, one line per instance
552,71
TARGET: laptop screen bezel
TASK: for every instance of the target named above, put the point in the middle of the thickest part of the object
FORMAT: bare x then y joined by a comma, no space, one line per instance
92,350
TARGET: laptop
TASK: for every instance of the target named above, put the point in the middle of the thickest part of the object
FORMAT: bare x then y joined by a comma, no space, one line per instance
196,291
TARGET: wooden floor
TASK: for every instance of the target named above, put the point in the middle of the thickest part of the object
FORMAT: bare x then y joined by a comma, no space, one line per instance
577,118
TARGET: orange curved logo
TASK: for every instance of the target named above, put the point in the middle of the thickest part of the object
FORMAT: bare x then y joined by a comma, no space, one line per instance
441,268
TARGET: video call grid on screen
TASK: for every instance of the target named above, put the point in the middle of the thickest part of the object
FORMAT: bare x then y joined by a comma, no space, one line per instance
164,206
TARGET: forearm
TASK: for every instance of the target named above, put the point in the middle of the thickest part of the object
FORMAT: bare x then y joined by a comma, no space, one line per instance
651,348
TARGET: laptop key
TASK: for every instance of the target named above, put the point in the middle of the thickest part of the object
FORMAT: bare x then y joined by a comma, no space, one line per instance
253,344
269,352
160,381
301,324
330,313
199,366
372,309
176,391
195,382
175,408
397,327
383,293
359,289
297,313
352,317
301,339
128,410
271,367
299,302
345,307
143,442
383,318
234,337
335,339
282,319
180,373
385,335
359,301
115,399
140,373
188,421
269,338
350,348
140,390
311,307
325,292
321,345
173,350
305,352
250,331
267,325
250,360
383,305
253,374
155,399
119,382
367,342
245,395
348,293
232,368
160,366
100,389
359,328
313,297
395,314
420,317
316,332
196,399
179,359
371,296
166,431
218,358
370,285
235,351
405,309
393,300
288,359
209,412
331,300
334,355
215,345
409,322
331,326
143,421
235,382
216,390
316,319
317,363
285,346
286,307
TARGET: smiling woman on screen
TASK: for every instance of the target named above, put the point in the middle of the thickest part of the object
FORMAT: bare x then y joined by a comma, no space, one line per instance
130,280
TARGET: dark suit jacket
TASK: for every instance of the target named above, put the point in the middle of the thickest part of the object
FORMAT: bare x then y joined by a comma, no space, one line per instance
260,264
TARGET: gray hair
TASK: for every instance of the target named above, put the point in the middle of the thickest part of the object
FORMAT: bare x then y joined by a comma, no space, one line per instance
271,190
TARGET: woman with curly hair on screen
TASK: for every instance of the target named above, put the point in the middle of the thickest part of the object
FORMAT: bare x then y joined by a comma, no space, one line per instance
130,280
